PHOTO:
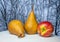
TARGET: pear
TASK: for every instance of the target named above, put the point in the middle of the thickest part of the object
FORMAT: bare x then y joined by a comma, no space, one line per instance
16,27
31,23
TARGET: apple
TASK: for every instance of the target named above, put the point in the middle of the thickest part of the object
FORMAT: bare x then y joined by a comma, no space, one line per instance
45,29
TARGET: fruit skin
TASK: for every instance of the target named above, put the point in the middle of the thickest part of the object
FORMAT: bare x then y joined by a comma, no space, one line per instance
45,29
31,23
16,27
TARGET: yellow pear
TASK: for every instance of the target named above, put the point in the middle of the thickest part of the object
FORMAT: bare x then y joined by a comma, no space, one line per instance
16,27
31,23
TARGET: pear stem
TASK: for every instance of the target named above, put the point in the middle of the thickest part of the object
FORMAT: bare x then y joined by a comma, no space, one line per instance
21,35
32,6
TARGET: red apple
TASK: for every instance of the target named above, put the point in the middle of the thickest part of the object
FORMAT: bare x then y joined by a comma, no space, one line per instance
45,29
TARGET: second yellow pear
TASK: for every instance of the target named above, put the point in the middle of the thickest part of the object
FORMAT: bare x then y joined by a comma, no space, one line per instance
31,23
16,27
